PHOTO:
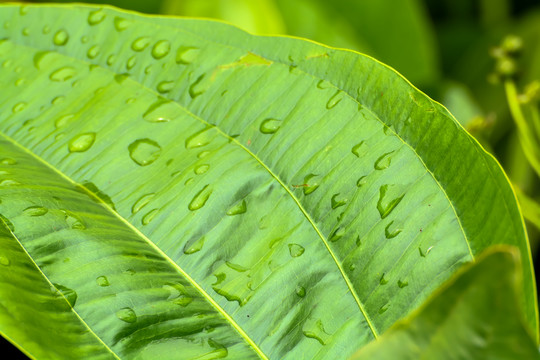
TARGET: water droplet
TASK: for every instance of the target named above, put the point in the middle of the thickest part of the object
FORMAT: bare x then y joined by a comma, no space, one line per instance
82,142
102,281
238,209
18,107
352,267
334,100
220,277
300,291
360,149
84,39
186,54
148,217
8,161
161,49
61,38
296,250
424,253
111,59
132,61
38,58
9,182
318,333
337,234
200,138
384,161
391,233
236,267
200,198
383,281
141,202
140,43
165,86
35,211
358,241
69,294
361,181
383,308
270,126
402,284
144,151
95,17
93,52
121,24
58,100
323,84
337,203
127,315
4,261
197,88
26,31
201,169
63,74
73,221
194,246
389,197
312,185
188,181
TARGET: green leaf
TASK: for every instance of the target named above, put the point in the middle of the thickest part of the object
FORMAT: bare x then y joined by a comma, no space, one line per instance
184,185
475,315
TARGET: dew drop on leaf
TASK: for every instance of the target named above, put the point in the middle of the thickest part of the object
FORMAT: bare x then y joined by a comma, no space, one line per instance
18,107
334,100
63,74
200,138
200,198
270,126
336,202
402,284
141,202
144,151
296,250
383,308
194,246
383,280
4,261
310,184
384,161
127,315
337,234
9,182
95,17
35,211
389,197
121,24
161,49
82,142
140,43
61,38
390,233
63,120
201,169
186,54
300,291
69,294
8,161
93,52
361,181
165,86
102,281
198,87
132,61
360,149
238,209
148,217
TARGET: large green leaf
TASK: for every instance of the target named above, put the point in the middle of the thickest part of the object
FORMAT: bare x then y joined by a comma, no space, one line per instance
188,189
464,320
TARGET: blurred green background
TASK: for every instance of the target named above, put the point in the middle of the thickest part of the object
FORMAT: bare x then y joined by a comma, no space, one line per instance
442,46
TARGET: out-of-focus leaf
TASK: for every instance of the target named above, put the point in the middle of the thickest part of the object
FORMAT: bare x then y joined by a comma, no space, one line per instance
474,316
258,17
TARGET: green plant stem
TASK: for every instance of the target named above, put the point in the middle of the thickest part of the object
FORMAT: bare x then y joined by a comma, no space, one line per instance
527,137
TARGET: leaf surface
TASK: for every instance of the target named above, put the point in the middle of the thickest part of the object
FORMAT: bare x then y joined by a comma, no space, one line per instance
464,320
185,185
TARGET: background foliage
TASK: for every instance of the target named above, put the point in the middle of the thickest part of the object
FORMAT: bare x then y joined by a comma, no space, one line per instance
442,46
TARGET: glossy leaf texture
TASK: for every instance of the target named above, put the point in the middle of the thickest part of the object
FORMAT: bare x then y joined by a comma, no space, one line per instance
464,320
189,190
